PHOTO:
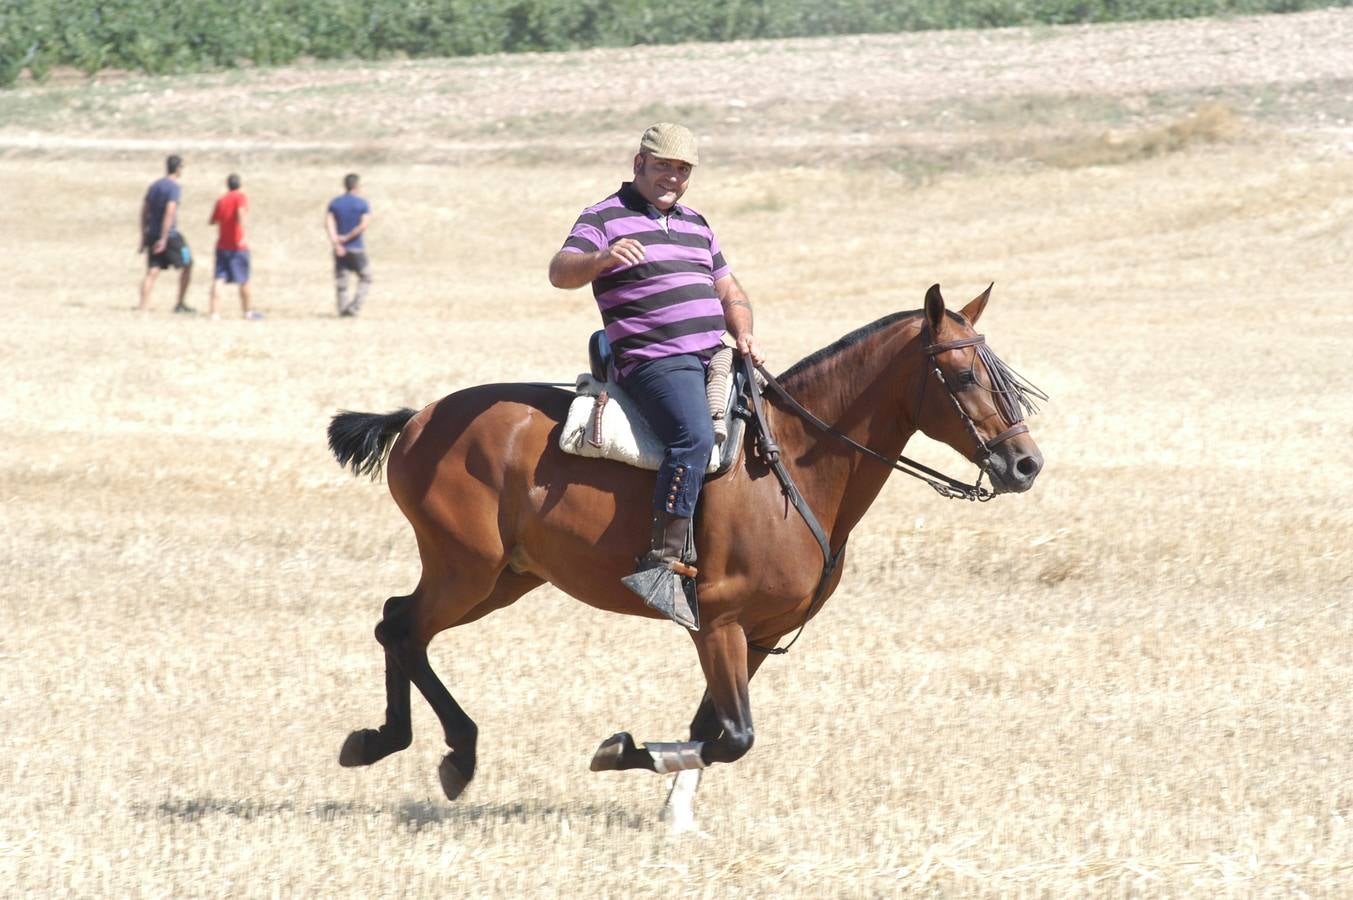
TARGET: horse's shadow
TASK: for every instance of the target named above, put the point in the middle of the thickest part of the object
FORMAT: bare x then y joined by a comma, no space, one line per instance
415,815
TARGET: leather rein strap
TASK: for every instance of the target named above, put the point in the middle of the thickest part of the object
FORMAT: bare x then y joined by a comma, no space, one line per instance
943,484
770,454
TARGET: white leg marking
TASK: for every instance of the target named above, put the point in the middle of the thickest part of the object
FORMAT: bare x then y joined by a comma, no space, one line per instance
679,811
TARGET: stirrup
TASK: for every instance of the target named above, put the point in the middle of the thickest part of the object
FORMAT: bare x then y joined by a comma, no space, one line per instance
668,592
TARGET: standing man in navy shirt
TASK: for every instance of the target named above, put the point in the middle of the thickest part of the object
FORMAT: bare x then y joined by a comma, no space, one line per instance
666,296
346,221
165,247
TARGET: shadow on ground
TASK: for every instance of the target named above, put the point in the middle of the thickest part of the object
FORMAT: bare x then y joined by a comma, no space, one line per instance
414,815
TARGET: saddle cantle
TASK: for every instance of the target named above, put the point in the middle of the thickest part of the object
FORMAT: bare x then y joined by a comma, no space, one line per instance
605,423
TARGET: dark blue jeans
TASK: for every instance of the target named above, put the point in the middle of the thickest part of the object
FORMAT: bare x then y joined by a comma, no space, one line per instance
671,394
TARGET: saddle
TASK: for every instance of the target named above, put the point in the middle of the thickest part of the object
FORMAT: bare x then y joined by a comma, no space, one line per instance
605,423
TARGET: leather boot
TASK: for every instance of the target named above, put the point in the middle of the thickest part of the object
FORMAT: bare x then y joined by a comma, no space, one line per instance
663,577
668,541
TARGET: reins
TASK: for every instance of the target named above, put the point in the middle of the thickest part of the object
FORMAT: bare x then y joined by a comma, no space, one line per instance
943,484
770,453
1006,383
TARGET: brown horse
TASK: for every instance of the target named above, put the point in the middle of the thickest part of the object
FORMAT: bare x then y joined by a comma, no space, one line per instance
498,509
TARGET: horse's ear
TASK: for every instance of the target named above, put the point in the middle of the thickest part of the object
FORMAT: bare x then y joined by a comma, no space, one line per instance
934,308
973,311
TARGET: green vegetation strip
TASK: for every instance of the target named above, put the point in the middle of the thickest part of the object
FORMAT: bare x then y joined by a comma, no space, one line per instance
155,37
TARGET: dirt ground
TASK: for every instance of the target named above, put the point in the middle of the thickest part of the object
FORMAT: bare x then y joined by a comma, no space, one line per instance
1133,680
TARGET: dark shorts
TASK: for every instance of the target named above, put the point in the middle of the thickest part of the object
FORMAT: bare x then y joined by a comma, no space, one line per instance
176,254
352,261
232,266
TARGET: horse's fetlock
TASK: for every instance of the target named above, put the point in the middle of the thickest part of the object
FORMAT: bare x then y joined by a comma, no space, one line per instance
397,738
738,743
464,740
465,759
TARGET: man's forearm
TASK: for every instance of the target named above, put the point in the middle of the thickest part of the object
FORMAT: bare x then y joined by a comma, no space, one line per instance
361,227
573,270
168,218
737,316
737,309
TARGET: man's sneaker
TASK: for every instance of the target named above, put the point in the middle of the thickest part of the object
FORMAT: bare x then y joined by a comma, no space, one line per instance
185,309
253,315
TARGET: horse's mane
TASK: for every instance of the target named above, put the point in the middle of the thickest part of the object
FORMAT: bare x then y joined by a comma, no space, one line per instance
817,357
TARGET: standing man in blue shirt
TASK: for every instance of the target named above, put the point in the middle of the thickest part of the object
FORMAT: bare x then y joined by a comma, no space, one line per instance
165,247
346,222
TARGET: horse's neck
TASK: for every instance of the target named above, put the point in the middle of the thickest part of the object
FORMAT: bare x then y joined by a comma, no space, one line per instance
864,391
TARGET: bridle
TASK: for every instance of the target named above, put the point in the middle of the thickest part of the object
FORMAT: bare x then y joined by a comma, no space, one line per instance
943,484
1013,398
994,365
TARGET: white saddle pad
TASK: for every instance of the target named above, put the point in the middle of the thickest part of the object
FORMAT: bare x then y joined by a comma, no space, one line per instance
625,436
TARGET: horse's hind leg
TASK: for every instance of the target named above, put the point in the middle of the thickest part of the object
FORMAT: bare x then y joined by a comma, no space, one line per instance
405,633
460,731
365,746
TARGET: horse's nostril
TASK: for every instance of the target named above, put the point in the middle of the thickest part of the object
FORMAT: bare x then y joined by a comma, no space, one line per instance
1028,466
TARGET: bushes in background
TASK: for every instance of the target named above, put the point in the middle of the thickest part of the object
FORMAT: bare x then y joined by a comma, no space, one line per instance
158,37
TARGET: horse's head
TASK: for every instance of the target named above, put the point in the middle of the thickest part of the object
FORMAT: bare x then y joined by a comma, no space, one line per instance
972,401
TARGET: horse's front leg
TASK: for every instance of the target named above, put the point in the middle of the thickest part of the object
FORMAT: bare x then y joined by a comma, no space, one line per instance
679,809
724,736
706,726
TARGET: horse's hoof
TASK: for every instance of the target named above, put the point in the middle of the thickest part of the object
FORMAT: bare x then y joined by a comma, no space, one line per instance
612,750
354,750
454,781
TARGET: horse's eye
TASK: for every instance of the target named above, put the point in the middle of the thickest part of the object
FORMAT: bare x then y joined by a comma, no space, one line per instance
967,378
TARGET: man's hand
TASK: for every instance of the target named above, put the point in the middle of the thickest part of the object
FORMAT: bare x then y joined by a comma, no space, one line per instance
747,347
339,249
160,245
624,252
569,270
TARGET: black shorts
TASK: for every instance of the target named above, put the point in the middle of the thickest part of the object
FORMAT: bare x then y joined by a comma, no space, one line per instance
352,261
176,254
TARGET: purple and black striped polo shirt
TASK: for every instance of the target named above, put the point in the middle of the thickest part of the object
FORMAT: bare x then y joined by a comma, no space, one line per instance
666,304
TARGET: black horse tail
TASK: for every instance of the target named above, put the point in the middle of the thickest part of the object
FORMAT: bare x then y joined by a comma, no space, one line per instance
361,440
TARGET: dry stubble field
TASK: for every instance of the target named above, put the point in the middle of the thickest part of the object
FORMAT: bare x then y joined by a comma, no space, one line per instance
1133,680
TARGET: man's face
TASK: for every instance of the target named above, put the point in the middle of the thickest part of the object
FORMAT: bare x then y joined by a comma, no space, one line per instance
661,181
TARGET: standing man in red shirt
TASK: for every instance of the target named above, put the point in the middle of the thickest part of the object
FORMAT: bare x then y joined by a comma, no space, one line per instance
232,253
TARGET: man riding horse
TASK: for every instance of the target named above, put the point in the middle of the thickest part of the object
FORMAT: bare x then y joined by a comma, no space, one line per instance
667,296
